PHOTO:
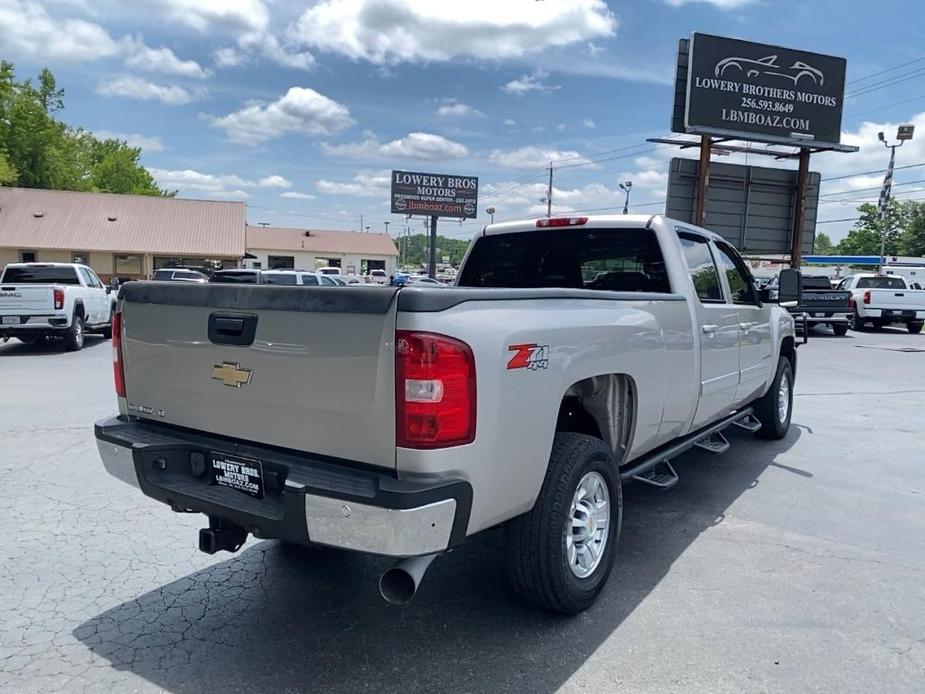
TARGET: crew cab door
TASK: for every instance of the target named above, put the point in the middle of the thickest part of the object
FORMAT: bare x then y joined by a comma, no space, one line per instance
717,326
754,324
96,302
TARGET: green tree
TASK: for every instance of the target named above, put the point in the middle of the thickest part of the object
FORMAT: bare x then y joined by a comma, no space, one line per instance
822,245
912,239
864,238
39,151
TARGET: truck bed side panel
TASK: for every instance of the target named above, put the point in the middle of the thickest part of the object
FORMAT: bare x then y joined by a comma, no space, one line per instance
517,407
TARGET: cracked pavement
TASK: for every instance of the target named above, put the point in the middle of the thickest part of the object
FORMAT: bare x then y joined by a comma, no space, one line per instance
789,566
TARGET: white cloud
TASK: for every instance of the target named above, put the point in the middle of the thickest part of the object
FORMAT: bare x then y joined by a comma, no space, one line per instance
371,184
142,90
423,30
721,4
424,146
142,57
300,110
292,195
515,200
452,108
26,30
588,123
271,48
148,144
229,57
534,82
510,122
189,182
532,157
274,181
205,15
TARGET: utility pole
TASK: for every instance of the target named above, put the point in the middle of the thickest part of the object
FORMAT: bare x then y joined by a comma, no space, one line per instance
904,133
361,222
386,227
549,193
432,266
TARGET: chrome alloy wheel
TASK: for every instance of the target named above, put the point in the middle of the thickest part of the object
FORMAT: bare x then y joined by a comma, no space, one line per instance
783,399
588,525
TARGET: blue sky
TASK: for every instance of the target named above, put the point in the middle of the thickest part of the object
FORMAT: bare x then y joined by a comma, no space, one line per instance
301,108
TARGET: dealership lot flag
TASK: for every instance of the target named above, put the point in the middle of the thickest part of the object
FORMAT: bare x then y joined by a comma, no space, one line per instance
887,187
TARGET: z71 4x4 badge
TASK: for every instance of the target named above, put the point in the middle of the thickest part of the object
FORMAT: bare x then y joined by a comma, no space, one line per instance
531,356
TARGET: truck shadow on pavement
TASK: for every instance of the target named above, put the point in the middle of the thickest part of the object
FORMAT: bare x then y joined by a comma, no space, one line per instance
15,348
281,618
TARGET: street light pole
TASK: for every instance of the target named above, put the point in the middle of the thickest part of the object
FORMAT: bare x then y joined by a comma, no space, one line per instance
903,133
627,186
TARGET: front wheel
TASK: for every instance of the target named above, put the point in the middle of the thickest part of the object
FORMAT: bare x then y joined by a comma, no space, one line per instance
840,329
773,410
560,554
914,326
854,321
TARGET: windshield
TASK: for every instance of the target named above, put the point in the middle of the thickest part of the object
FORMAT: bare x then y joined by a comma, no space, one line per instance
628,260
48,274
881,283
236,277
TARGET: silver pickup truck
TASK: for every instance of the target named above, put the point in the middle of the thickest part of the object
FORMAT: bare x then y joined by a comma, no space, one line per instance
574,355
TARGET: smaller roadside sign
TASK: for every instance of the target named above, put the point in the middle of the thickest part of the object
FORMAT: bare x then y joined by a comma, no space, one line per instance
435,195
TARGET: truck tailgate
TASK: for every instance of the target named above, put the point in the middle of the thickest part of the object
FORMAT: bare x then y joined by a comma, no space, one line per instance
26,300
318,375
897,299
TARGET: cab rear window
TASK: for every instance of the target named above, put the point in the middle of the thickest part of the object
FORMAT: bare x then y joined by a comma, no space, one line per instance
881,283
48,274
623,260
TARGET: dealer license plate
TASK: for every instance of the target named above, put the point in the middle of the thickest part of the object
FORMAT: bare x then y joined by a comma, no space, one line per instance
11,320
243,474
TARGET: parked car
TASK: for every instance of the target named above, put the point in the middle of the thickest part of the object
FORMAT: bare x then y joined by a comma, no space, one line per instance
179,275
882,301
292,278
820,305
377,277
62,300
238,276
329,271
526,397
424,281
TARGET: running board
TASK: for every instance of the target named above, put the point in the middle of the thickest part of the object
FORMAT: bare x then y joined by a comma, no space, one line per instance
662,476
749,422
678,446
715,443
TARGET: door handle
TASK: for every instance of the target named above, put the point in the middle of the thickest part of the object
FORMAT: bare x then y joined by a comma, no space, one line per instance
709,329
745,327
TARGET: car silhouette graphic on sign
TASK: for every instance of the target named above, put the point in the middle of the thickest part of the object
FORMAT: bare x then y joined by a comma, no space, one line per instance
768,66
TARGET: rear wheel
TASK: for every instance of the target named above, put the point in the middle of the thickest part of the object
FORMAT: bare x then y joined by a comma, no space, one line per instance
914,326
773,410
854,321
560,554
840,329
74,337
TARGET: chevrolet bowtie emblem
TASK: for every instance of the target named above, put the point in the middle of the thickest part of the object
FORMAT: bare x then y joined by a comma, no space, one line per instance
231,374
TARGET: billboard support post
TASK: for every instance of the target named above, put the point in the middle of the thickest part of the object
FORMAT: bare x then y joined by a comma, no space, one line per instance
703,176
432,264
799,210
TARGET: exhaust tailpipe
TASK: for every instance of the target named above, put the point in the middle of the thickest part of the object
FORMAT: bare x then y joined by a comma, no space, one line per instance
399,584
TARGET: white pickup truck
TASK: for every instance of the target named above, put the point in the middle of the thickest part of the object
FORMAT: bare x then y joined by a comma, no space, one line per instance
66,300
574,355
883,300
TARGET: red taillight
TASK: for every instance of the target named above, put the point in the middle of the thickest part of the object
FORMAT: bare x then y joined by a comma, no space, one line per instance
118,371
561,222
867,297
59,298
434,391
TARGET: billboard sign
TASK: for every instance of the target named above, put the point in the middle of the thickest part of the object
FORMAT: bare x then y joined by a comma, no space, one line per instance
749,206
435,195
759,92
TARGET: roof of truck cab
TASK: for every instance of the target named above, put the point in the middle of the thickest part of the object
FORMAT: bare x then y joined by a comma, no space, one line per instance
600,221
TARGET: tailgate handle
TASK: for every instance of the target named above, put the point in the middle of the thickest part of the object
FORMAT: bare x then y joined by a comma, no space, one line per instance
899,294
232,328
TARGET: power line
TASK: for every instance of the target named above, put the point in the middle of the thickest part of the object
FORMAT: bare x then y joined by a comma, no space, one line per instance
884,71
886,106
898,79
870,173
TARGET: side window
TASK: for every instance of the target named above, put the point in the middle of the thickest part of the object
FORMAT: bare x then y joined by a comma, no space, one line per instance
844,283
85,275
95,281
701,267
309,280
739,278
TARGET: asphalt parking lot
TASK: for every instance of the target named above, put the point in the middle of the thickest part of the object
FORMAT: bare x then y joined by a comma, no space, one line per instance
789,566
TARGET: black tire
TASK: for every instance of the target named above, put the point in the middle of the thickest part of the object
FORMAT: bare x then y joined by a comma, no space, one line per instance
537,557
74,337
840,329
855,321
766,408
914,326
107,332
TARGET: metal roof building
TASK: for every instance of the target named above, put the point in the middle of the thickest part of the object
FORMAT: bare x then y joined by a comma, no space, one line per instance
307,249
124,235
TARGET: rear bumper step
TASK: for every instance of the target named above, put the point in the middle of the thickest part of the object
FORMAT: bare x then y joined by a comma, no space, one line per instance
305,499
